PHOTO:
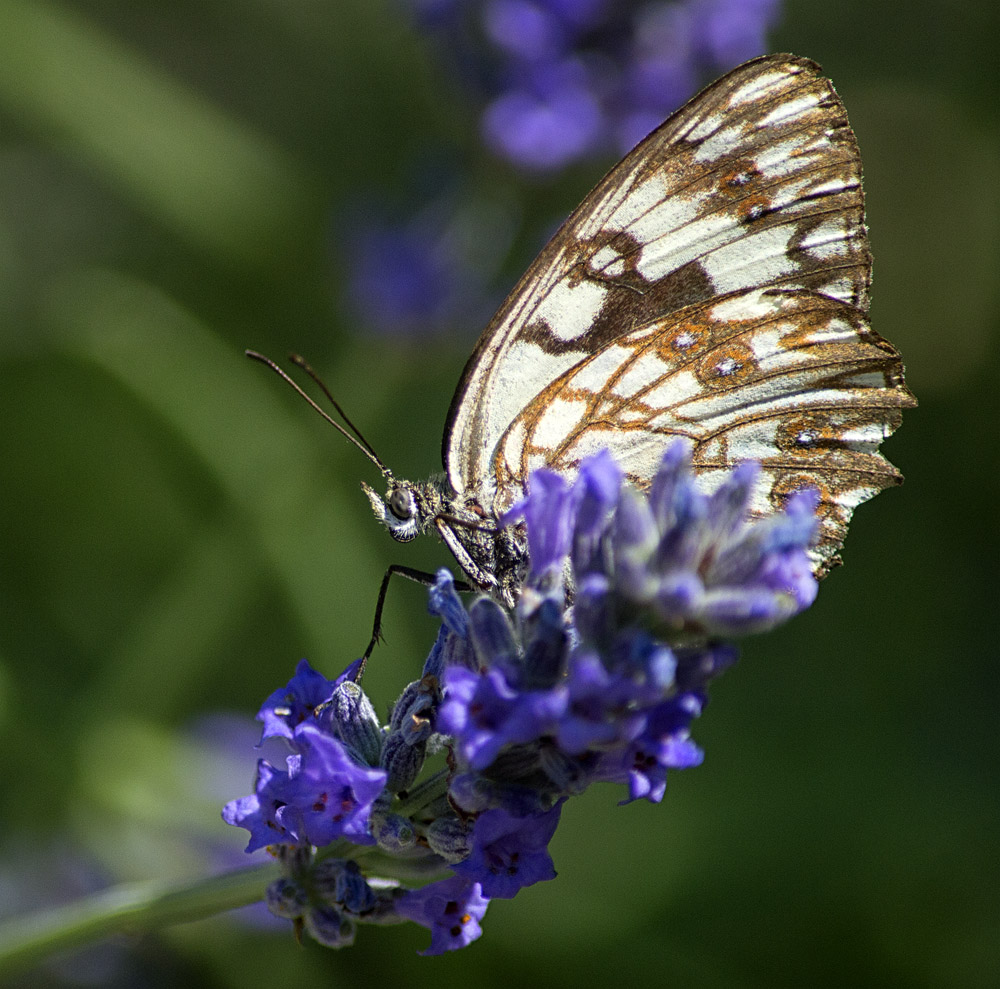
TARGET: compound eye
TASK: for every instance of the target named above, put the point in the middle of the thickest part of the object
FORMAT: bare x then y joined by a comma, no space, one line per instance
401,504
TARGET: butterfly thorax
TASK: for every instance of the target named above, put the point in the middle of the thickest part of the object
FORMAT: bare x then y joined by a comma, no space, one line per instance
494,558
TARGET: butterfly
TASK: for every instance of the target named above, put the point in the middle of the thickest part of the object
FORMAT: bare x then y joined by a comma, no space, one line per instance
714,285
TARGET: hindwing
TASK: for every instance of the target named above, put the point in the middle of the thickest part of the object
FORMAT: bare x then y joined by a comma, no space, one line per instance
793,379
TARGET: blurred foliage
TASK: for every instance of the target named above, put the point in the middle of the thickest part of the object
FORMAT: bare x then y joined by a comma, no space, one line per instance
178,529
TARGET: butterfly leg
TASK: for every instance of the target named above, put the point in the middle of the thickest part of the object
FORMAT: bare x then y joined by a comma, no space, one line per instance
419,577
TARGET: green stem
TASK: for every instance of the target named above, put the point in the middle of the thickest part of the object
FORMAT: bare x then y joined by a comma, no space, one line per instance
420,796
132,908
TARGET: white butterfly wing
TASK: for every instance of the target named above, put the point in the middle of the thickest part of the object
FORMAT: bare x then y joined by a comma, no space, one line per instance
755,184
794,379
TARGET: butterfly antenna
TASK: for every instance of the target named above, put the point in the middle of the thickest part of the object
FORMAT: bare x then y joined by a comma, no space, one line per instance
301,362
361,443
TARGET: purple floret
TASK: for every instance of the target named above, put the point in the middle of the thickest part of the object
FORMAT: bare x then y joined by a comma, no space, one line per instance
451,909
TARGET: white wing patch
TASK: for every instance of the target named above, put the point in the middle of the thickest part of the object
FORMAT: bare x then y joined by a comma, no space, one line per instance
569,310
766,253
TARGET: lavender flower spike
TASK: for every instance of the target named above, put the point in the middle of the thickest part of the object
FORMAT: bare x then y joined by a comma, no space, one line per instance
596,675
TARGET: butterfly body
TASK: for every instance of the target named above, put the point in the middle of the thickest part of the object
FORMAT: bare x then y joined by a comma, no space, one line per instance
713,286
493,557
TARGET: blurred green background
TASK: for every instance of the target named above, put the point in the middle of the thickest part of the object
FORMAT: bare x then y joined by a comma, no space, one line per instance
178,529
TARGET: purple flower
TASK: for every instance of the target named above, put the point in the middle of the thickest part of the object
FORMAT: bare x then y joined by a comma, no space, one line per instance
444,603
612,697
510,852
596,494
605,706
484,713
452,646
679,562
420,272
712,570
321,796
595,675
296,702
549,513
563,80
259,816
663,743
451,909
328,794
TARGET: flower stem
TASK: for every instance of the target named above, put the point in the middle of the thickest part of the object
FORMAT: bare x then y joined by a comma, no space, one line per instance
132,908
420,796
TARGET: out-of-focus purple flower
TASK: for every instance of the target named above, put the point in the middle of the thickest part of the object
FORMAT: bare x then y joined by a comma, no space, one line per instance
418,273
400,281
523,29
451,909
735,30
557,82
551,119
563,80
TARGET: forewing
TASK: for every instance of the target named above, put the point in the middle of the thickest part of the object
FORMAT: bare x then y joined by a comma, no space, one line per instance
794,379
754,183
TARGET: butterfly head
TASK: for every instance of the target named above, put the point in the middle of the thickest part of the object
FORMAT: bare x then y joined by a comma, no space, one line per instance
407,509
